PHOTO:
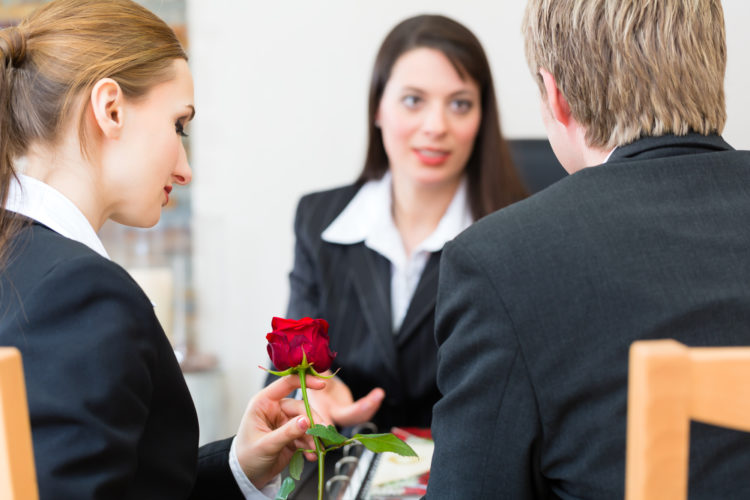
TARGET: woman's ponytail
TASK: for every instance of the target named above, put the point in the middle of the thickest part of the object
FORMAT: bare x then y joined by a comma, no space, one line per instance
12,57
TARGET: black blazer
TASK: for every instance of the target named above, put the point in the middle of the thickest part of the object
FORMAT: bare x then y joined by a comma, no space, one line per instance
538,304
349,286
111,416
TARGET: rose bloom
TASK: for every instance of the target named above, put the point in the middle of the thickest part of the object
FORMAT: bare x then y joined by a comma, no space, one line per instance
290,338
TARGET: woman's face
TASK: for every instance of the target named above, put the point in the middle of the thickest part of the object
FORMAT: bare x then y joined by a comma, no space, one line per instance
429,118
151,156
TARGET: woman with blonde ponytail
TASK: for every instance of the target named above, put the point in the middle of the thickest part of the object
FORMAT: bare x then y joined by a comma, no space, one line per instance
94,99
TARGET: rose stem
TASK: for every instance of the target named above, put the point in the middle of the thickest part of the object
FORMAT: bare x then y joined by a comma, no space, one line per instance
321,454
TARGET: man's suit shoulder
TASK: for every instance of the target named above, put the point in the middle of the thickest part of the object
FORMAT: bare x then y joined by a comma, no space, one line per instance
536,214
578,213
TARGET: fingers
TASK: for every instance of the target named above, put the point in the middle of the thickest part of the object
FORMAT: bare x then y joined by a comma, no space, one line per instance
291,432
294,407
283,386
314,382
263,454
317,417
271,426
361,410
294,429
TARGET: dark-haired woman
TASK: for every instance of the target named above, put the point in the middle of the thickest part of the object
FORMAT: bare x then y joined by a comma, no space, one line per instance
367,255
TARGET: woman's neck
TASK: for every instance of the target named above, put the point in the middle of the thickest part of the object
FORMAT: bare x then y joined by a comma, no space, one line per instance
71,175
417,210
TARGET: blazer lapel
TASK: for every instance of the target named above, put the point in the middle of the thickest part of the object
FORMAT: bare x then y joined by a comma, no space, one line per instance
371,273
423,300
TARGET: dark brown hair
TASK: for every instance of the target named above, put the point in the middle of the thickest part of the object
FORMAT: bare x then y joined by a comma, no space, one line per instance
56,56
493,182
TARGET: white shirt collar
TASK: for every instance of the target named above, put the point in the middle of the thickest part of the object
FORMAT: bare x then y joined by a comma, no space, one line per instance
609,155
43,203
368,218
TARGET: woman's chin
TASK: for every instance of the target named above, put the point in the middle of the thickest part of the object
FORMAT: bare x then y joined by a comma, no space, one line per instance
436,180
142,220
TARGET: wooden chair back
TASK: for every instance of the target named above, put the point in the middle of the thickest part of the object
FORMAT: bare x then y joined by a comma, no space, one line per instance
669,385
17,473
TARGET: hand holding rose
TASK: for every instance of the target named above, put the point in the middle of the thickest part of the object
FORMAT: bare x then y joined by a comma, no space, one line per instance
272,428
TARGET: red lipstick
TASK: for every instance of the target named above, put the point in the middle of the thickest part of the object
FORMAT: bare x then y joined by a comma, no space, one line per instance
431,157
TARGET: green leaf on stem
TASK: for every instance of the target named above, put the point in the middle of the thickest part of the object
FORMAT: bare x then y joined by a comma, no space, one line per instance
329,435
385,442
286,488
325,377
296,464
286,372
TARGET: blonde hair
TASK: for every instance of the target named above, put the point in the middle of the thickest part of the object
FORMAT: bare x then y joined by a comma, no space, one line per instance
632,68
57,55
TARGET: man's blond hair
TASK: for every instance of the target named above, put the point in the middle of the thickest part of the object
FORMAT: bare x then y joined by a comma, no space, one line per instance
632,68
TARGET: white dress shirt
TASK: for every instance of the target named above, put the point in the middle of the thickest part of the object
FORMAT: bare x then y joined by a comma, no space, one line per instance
41,202
46,205
609,155
368,218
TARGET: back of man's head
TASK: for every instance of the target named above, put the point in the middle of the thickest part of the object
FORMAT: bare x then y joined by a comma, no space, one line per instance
632,68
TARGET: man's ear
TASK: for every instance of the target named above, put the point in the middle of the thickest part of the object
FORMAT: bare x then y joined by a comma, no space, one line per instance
555,100
107,104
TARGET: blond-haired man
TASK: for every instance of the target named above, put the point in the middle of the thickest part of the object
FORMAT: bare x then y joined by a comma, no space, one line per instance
649,237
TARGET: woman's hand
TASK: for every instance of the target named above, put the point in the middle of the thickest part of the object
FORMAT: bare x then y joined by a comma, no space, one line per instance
273,427
336,404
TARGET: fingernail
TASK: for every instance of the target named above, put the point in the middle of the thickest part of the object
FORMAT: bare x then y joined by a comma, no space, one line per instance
302,422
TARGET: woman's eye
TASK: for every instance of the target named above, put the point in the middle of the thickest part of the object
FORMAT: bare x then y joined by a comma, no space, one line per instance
461,106
411,101
180,129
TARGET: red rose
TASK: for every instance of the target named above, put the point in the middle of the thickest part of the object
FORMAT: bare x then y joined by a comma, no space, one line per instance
290,338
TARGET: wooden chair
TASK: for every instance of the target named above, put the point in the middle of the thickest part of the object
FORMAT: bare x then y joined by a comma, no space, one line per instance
17,474
669,385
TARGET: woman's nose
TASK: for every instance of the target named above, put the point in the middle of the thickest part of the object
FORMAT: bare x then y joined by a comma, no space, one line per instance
435,122
182,173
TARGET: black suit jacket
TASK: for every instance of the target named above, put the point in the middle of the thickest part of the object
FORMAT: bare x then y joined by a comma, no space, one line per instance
538,304
349,286
111,416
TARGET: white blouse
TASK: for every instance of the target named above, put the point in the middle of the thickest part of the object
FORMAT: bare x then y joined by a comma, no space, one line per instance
43,203
367,218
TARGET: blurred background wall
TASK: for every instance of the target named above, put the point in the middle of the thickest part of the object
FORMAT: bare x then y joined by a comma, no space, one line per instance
281,91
